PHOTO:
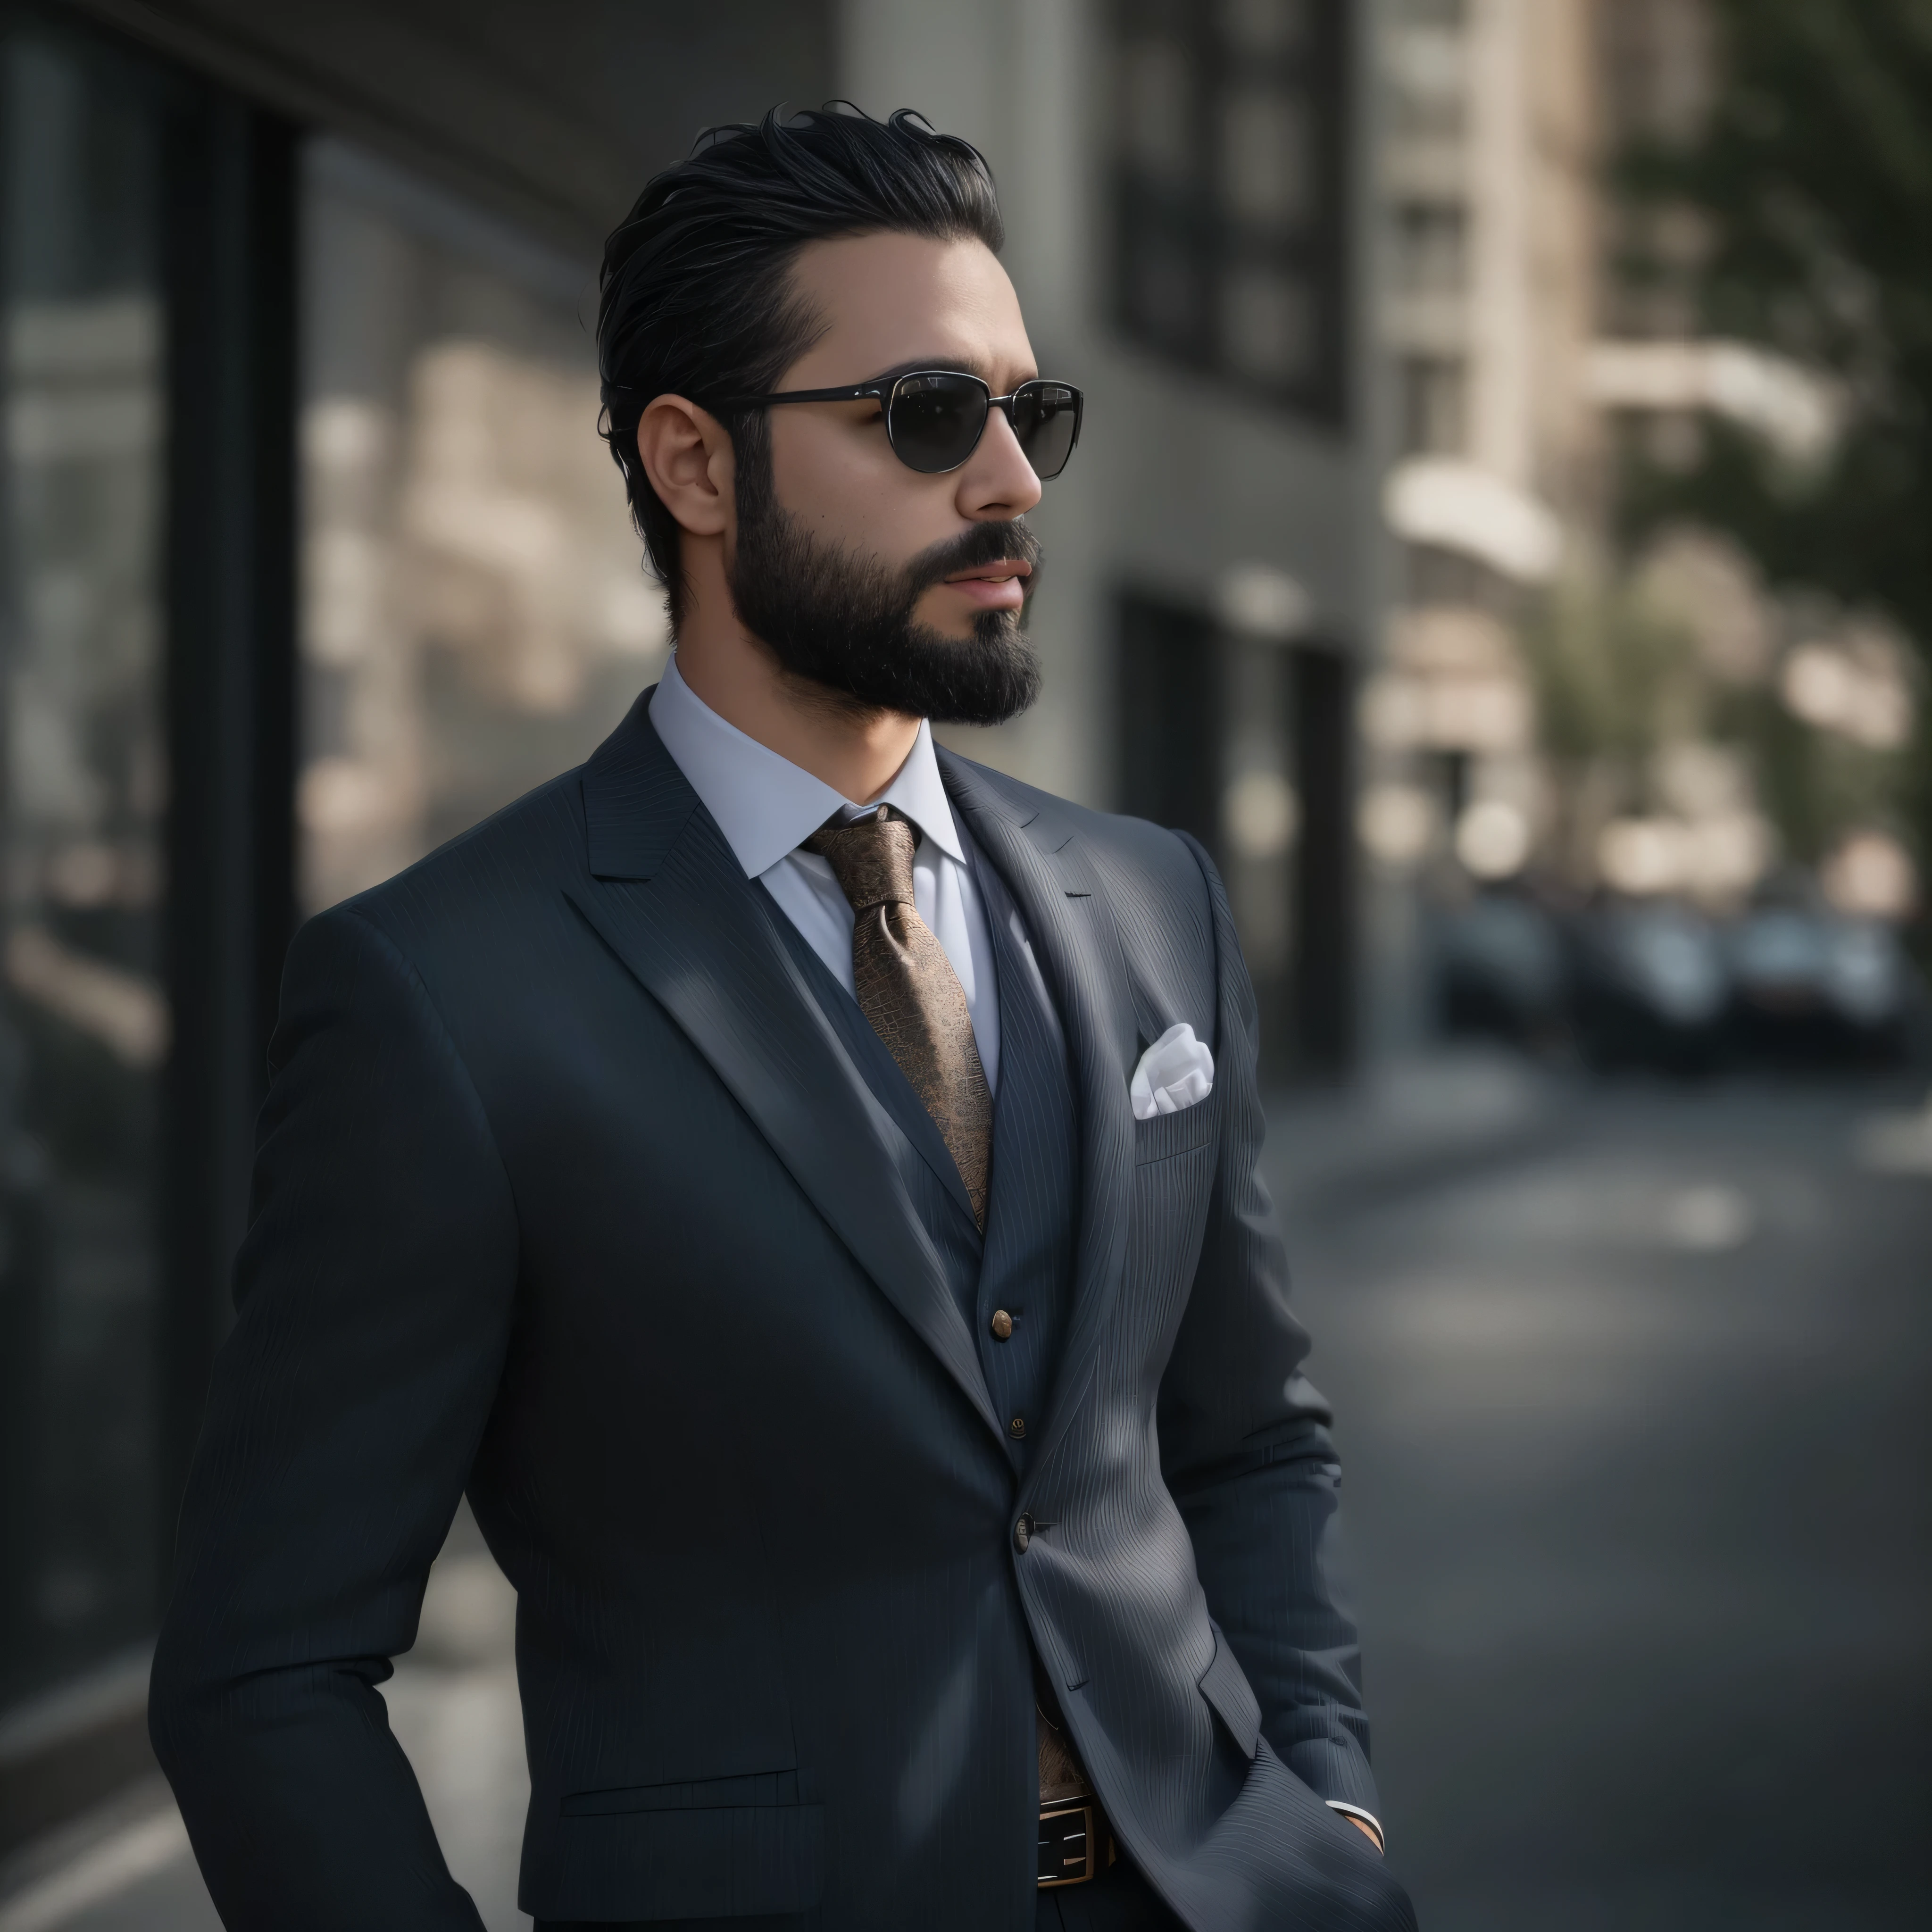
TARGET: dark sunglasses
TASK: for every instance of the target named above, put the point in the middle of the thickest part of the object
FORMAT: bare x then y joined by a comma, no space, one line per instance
934,417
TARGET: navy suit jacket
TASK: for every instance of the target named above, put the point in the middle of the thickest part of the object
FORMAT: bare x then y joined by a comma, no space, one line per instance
568,1191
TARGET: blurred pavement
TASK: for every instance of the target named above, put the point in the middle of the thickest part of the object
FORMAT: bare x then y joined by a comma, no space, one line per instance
1637,1436
1632,1386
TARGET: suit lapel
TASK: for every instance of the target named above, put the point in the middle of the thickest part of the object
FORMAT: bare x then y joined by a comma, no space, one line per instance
667,895
1067,915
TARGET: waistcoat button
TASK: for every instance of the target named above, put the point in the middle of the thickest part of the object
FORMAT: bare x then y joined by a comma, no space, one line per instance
1023,1533
1002,1325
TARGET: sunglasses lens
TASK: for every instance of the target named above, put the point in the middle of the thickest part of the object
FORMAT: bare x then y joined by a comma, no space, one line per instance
1046,422
935,420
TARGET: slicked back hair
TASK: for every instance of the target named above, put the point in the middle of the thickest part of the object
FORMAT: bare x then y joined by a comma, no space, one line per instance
695,296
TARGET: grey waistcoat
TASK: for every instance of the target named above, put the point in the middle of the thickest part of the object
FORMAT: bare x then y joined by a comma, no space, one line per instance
1024,1263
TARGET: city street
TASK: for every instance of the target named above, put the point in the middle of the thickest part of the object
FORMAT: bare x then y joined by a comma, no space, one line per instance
1636,1438
1632,1406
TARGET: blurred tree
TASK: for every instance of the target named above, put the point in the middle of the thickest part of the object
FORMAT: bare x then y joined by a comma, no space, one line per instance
1615,680
1807,186
1621,678
1813,176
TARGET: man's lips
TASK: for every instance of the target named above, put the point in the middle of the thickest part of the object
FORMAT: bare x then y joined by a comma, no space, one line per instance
994,586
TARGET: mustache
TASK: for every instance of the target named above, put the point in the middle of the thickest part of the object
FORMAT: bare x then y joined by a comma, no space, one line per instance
1012,542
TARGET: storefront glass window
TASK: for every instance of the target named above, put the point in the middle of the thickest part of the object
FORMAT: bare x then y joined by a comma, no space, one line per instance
84,1022
475,618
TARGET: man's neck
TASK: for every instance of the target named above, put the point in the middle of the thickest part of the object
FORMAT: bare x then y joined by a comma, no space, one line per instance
857,752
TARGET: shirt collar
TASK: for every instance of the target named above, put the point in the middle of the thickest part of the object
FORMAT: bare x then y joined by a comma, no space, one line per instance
766,806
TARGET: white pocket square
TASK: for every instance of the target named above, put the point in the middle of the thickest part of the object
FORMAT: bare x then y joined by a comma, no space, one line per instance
1175,1073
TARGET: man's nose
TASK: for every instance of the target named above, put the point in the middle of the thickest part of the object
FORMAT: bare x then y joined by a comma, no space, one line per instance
997,481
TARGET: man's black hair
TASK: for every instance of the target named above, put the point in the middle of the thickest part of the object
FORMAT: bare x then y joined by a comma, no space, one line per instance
695,297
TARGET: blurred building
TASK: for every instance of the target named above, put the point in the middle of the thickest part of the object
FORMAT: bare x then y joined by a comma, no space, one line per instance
1490,232
1554,708
1488,228
311,558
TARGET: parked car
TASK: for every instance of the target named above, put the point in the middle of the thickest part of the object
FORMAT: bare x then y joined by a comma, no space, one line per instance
1657,983
1809,983
1649,985
1501,971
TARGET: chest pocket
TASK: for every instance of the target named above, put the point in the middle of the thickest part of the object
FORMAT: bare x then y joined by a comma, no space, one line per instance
1167,1135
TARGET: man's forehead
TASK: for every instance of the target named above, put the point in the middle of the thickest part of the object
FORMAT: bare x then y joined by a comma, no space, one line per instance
895,302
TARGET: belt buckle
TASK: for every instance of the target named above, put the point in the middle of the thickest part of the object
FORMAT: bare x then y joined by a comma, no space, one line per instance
1068,1836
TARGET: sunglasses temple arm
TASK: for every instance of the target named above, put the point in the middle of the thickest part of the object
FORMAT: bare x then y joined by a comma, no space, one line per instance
854,393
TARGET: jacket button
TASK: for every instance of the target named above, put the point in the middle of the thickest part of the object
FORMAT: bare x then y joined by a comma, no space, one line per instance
1002,1325
1023,1532
1017,1427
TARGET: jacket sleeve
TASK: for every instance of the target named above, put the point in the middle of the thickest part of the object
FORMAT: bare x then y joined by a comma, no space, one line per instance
1245,1446
373,1292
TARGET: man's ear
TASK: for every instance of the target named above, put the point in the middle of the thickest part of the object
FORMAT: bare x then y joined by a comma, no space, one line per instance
687,453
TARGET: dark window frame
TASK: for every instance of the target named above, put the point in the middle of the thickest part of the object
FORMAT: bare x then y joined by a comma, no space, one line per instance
1192,222
232,245
1174,685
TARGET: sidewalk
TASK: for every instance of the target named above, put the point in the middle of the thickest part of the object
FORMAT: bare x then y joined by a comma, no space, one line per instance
1407,1124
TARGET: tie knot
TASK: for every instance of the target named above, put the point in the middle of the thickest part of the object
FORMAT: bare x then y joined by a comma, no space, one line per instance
870,858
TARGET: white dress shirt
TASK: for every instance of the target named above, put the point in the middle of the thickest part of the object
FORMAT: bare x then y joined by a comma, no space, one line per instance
766,806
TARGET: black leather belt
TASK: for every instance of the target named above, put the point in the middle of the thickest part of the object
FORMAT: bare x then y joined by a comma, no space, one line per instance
1075,1844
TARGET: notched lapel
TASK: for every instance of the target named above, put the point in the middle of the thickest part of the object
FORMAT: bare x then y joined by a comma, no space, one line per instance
636,801
696,934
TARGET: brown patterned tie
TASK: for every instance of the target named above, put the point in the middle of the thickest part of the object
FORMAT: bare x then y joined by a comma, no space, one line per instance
908,990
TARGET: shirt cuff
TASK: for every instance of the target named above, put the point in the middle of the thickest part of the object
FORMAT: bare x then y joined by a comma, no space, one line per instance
1368,1818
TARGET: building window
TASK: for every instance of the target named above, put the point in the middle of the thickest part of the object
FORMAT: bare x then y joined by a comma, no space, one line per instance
1435,390
1431,249
1425,61
1243,742
1229,194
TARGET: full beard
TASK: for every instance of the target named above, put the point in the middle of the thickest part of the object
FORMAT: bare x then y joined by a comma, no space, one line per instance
845,623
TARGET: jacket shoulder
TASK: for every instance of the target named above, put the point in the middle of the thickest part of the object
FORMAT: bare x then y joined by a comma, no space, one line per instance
484,875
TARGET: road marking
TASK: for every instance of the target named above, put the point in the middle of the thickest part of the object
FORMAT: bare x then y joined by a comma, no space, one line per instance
1708,1219
101,1872
1898,1143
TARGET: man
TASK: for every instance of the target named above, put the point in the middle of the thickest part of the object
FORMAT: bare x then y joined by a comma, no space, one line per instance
802,1184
